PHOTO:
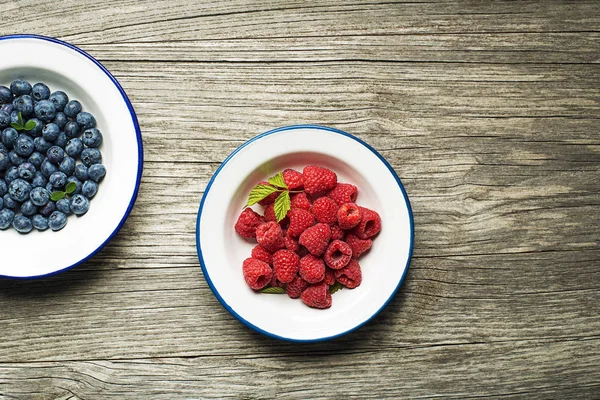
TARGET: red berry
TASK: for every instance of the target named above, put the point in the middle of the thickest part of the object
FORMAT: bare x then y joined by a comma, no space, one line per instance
369,225
257,273
348,215
349,276
359,246
300,200
291,243
270,236
312,269
317,296
293,179
338,254
316,238
300,220
325,210
336,232
276,282
260,253
343,193
329,276
318,179
270,198
247,223
295,288
285,265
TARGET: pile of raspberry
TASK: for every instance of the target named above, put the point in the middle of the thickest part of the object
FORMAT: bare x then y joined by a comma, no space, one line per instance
316,245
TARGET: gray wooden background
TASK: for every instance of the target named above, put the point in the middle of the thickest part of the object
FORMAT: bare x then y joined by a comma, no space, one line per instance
488,111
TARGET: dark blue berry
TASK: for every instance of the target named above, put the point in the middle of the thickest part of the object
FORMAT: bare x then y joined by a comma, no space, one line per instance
9,137
4,119
48,168
11,174
39,196
28,208
72,108
62,139
45,110
57,220
26,171
19,190
1,203
36,159
10,203
72,129
67,166
92,137
7,108
39,180
60,100
89,189
50,132
41,145
81,172
79,204
14,116
6,218
48,209
60,119
58,180
24,145
4,160
3,188
78,184
37,129
19,87
15,159
22,224
74,147
40,91
24,105
39,222
5,95
49,187
86,120
55,154
96,172
91,156
64,206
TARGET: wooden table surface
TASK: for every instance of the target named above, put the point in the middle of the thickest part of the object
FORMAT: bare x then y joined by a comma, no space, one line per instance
488,111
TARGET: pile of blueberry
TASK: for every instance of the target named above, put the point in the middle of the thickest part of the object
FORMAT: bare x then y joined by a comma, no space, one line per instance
50,165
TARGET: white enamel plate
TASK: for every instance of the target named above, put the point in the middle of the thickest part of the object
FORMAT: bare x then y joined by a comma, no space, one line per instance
64,67
221,251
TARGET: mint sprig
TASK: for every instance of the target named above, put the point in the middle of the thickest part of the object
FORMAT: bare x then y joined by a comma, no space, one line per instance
335,287
20,125
69,189
273,290
276,184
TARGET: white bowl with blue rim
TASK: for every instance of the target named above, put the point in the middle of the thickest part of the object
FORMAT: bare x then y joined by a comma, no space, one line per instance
221,251
65,67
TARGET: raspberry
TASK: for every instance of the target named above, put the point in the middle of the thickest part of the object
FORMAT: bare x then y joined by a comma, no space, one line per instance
270,198
291,243
317,296
338,254
261,254
348,216
257,274
316,238
329,276
325,210
293,179
300,200
285,265
349,276
343,193
300,220
359,246
369,225
336,232
312,269
318,179
247,223
270,236
295,288
276,282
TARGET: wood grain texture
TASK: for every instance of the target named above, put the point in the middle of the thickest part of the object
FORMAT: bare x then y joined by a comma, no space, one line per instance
488,111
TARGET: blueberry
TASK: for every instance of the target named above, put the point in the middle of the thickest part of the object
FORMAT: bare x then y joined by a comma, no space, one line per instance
40,91
48,168
72,129
67,166
24,145
19,190
28,208
7,108
60,100
37,129
92,137
60,119
39,222
5,95
74,147
41,145
58,180
81,172
11,174
4,160
64,206
36,159
39,196
9,137
79,204
39,180
1,203
72,108
6,218
22,224
48,209
26,171
4,119
3,188
77,182
49,187
45,110
91,156
86,120
10,203
89,189
19,87
14,116
57,221
50,132
24,105
15,159
55,154
61,140
97,172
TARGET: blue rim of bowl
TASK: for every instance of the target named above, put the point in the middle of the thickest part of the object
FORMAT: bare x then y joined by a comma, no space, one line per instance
214,289
139,142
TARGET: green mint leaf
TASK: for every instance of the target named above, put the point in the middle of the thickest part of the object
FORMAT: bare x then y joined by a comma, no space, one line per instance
278,181
258,193
71,187
335,287
282,205
16,126
20,119
56,196
273,290
30,125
